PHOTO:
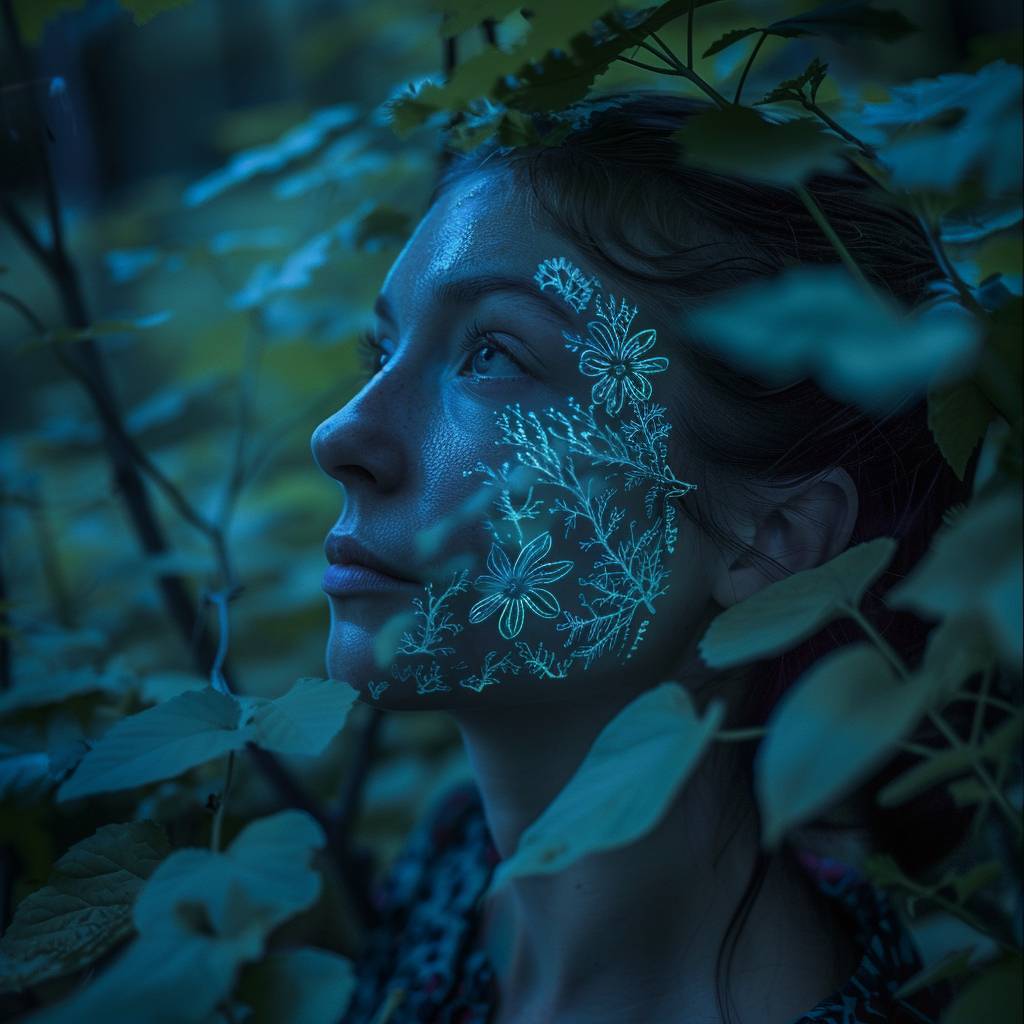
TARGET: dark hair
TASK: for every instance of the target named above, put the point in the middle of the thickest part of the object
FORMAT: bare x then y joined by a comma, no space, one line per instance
620,170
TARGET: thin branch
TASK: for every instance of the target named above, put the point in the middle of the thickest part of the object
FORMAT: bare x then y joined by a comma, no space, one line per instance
748,66
218,816
649,67
689,37
823,222
20,226
18,306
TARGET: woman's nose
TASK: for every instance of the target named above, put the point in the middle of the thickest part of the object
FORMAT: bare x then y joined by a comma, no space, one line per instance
361,442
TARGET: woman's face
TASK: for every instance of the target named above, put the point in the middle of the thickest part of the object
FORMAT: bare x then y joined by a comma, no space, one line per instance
511,468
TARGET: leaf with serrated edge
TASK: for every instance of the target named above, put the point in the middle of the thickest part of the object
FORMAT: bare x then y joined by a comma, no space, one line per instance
159,743
782,614
85,908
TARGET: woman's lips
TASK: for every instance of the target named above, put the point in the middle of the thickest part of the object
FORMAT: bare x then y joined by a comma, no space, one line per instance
345,579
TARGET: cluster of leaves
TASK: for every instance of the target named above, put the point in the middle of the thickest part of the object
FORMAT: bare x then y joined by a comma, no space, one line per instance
199,922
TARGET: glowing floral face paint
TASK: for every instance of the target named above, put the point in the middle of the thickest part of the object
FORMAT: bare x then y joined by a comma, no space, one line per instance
565,470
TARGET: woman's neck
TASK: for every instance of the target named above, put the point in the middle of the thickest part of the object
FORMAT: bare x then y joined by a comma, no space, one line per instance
634,932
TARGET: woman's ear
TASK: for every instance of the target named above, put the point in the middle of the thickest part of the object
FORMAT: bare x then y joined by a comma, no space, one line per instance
809,524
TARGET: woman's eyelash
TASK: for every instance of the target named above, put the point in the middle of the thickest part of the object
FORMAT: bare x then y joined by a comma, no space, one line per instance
370,349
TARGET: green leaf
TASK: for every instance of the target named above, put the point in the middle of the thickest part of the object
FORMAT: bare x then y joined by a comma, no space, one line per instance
996,995
144,10
940,766
262,879
305,719
198,726
159,743
200,916
462,15
301,986
974,567
966,884
627,780
837,19
858,345
954,964
945,130
782,614
23,772
59,685
84,910
297,143
724,42
175,975
793,88
740,141
958,416
843,20
837,724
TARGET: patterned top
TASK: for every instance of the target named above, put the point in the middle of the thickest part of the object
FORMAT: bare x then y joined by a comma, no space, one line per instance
421,963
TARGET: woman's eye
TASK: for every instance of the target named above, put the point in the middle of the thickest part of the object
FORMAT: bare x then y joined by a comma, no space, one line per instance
492,360
483,357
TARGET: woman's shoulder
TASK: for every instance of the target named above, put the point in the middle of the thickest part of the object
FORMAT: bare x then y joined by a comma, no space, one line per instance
889,957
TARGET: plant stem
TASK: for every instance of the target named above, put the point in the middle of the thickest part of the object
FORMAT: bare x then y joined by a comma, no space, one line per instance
823,222
954,741
689,37
19,307
890,655
218,817
748,66
866,150
741,735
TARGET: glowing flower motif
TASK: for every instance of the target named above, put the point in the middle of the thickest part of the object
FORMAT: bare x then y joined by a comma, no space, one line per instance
516,588
616,360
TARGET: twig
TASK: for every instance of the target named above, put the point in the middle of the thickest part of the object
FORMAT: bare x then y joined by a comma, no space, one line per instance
823,222
18,306
748,66
218,817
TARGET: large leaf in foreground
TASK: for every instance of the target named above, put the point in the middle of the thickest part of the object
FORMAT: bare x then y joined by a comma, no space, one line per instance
948,129
786,153
305,719
198,726
837,724
974,567
782,614
630,776
200,917
85,907
159,743
857,345
263,876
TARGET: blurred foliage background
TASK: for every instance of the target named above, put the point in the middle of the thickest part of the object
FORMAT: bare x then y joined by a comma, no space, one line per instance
231,198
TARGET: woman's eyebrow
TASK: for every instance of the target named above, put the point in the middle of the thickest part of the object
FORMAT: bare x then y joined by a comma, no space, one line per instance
466,290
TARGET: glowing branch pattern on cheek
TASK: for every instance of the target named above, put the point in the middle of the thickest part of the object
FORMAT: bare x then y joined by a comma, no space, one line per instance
571,457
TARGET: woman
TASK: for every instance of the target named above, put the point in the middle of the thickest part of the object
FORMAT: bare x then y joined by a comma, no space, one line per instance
550,491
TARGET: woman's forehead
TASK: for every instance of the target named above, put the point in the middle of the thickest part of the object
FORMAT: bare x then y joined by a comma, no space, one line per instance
482,226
